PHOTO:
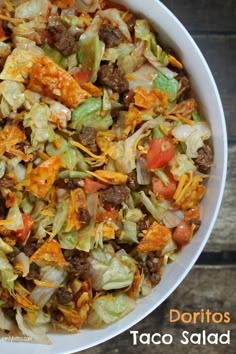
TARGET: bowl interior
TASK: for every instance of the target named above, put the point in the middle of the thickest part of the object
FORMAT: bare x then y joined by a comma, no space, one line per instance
174,34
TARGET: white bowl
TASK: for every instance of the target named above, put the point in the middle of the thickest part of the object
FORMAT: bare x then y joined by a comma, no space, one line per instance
176,36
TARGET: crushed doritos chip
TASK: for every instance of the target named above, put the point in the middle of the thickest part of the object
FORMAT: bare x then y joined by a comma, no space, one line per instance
49,253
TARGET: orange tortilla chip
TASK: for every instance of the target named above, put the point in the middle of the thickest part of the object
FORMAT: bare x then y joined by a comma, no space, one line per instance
51,80
41,179
49,253
145,99
155,239
10,136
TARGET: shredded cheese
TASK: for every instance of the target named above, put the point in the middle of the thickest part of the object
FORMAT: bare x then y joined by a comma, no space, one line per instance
44,283
183,191
6,222
180,186
10,19
83,148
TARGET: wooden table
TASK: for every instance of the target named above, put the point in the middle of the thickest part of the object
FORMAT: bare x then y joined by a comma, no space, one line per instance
211,283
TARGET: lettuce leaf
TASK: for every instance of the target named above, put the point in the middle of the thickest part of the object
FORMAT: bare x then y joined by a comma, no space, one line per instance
130,232
35,331
15,215
110,270
89,115
7,273
110,308
41,294
90,54
87,5
30,9
60,217
193,135
169,86
55,55
142,30
68,240
6,323
15,101
124,152
38,120
156,208
183,164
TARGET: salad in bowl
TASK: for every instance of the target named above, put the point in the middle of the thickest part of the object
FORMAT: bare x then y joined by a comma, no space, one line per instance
104,159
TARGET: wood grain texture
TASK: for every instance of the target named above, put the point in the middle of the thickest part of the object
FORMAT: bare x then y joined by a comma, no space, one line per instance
223,235
220,52
194,294
212,25
205,16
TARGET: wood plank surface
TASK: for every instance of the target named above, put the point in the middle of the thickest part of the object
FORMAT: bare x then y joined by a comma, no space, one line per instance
220,53
194,294
205,15
212,25
223,235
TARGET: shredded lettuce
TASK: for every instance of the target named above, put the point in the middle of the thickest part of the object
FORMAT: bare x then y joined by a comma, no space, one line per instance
15,101
155,207
68,240
55,55
60,217
108,270
130,232
19,63
7,273
114,15
124,152
2,168
143,76
30,9
35,331
183,164
143,176
90,54
142,29
6,323
41,294
133,215
15,215
4,247
110,308
89,115
169,86
85,236
193,135
87,5
38,120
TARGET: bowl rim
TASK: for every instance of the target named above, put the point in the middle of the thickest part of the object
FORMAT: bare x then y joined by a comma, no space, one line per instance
120,329
221,192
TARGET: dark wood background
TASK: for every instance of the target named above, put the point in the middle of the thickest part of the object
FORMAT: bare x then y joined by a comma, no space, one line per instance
211,283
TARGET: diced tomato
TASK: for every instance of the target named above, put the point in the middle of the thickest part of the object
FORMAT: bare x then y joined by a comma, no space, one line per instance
22,234
162,190
82,76
2,32
161,151
91,186
182,233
